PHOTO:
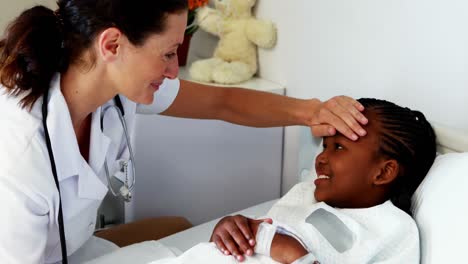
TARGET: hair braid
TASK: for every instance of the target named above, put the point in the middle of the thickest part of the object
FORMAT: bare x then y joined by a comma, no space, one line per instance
407,137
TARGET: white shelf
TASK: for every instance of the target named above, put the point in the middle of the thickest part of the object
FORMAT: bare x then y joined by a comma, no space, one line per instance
254,83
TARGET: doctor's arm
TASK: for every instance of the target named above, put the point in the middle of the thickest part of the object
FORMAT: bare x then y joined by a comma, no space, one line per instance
262,109
23,225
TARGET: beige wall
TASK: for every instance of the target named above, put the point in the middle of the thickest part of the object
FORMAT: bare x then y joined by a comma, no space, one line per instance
9,9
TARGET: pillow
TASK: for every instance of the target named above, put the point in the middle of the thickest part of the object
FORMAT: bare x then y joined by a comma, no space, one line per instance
440,208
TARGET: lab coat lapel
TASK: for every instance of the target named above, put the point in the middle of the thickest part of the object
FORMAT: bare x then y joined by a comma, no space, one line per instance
89,185
68,159
99,144
62,135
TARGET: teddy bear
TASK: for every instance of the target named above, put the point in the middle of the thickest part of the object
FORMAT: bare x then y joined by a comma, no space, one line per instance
235,56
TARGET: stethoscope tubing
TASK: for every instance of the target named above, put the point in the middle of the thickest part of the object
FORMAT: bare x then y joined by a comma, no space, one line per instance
120,111
61,225
130,150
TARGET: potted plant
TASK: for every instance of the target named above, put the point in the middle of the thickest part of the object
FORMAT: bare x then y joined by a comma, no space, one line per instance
192,27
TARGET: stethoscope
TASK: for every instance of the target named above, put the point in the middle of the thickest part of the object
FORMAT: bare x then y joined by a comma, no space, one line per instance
125,190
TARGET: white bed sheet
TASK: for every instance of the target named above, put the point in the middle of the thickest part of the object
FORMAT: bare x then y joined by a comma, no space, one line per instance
145,252
201,233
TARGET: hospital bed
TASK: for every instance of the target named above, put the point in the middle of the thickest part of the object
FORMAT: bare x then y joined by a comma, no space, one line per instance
440,204
438,246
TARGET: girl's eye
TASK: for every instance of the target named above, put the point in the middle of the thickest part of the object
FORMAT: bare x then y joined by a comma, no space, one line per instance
338,147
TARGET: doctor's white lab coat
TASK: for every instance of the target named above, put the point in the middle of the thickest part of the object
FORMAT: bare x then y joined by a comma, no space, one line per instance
29,198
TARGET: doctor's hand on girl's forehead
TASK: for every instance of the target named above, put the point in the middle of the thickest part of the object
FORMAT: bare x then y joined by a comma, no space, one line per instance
339,114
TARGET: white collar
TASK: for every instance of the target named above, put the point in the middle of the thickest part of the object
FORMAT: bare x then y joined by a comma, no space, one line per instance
68,159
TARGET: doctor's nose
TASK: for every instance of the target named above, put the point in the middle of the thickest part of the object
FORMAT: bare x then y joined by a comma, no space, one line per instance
172,69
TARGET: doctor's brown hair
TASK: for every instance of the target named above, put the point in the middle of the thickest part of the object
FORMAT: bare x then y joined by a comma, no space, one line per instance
42,42
407,137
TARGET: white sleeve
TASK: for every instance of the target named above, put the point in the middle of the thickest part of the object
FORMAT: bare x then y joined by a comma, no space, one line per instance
407,252
163,98
264,238
23,225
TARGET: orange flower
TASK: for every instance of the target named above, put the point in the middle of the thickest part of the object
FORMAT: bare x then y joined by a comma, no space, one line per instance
194,4
191,23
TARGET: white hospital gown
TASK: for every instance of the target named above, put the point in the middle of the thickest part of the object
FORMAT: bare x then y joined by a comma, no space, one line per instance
381,234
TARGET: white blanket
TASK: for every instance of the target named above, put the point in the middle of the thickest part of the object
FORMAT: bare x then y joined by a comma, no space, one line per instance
382,234
207,253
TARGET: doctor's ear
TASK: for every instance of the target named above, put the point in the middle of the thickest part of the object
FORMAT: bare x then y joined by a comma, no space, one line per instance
388,172
110,43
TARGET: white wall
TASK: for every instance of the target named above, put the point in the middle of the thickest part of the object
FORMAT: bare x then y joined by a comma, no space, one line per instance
412,52
9,9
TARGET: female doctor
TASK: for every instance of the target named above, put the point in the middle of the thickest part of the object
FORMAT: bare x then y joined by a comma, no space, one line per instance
60,69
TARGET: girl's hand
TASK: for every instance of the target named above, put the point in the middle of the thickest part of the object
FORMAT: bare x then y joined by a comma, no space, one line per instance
236,235
340,113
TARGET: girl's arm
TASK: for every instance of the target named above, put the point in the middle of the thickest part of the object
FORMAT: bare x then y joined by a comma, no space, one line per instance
286,249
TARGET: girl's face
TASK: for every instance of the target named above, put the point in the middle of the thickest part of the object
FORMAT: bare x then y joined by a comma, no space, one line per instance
346,170
142,69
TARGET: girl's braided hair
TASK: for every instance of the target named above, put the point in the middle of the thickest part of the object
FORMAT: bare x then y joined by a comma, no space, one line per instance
407,137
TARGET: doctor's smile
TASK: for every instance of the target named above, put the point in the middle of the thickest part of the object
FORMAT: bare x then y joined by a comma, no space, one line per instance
156,85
